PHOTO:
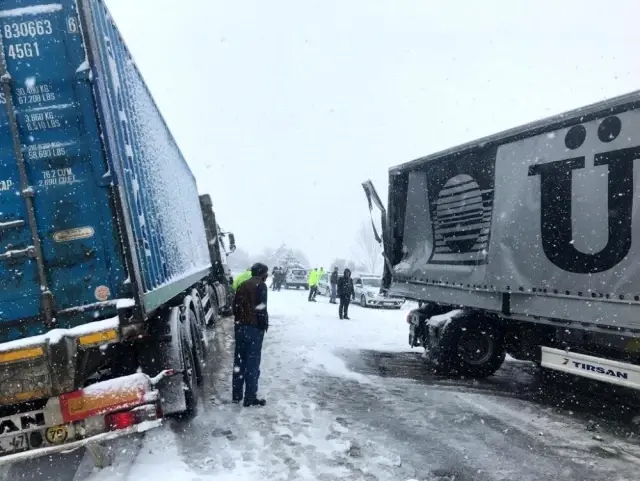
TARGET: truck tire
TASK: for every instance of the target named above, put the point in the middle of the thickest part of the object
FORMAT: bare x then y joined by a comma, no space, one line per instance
200,322
212,304
171,347
198,347
189,377
471,347
216,311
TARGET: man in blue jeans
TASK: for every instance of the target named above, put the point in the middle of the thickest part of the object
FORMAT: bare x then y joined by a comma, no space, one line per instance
251,322
333,280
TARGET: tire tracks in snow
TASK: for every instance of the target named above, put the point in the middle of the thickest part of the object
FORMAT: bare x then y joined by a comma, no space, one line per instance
471,436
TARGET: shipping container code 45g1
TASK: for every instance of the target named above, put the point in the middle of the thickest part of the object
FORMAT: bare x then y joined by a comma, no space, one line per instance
24,31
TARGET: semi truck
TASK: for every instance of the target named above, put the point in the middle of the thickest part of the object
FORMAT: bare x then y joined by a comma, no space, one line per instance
111,264
526,242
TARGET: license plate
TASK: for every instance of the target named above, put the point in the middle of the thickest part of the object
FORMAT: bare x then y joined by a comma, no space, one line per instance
13,444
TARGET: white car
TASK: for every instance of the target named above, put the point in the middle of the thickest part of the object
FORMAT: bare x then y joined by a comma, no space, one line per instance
324,286
367,289
296,277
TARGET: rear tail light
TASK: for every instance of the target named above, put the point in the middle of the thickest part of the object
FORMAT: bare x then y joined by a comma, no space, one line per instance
117,421
126,419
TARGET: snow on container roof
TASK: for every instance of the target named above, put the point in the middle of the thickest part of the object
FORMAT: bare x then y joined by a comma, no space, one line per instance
35,10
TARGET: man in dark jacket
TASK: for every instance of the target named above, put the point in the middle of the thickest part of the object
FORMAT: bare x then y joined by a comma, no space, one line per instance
333,280
346,292
251,322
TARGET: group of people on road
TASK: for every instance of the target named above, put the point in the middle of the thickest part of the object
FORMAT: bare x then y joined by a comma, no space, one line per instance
278,277
341,287
252,321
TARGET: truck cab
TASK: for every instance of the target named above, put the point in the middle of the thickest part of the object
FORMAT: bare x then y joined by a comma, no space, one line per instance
219,250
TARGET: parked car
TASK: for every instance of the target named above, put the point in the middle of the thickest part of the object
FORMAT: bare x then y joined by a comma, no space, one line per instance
324,286
367,289
296,277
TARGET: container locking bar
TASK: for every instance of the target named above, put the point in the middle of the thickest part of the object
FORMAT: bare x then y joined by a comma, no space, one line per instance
18,253
13,224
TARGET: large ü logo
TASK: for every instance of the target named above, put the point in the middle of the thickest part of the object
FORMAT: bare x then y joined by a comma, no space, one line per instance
555,202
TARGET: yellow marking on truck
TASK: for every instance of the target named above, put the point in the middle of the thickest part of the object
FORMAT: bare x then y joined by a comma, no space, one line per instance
21,354
633,345
23,397
98,337
57,434
95,403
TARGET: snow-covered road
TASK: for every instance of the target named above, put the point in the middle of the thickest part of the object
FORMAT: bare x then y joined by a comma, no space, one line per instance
348,400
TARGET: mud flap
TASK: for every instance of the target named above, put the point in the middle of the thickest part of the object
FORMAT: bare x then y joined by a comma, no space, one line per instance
172,399
164,352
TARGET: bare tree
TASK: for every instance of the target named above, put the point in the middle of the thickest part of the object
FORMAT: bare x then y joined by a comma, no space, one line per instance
284,256
368,252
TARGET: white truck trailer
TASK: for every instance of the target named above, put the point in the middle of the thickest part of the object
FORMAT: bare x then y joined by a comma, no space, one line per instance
526,242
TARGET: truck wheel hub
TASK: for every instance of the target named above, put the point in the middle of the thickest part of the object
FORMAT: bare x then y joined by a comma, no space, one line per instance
475,347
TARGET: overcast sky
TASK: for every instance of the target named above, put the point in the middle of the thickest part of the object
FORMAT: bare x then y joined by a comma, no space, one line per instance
282,108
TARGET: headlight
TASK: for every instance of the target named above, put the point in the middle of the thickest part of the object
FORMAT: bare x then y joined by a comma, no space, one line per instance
370,294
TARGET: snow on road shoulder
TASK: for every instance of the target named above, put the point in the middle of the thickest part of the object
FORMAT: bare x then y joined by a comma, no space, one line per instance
328,427
313,333
294,436
154,456
159,459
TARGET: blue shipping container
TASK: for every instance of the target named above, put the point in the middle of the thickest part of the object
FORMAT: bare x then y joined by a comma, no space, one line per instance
96,201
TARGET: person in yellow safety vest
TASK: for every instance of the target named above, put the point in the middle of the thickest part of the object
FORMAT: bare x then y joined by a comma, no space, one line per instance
312,282
245,276
319,275
314,278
